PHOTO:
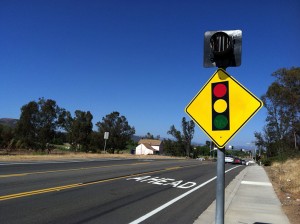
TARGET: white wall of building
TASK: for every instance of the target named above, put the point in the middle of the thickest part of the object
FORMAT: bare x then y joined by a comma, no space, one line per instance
143,150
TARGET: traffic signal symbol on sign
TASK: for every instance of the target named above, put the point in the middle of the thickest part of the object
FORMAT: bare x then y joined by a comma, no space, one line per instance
220,106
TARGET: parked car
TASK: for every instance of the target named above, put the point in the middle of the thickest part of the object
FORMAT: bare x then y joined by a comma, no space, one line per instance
250,162
201,159
228,159
243,162
237,161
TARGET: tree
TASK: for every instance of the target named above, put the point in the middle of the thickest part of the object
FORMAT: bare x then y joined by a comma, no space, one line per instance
289,95
201,151
188,128
47,121
150,136
26,129
65,120
79,129
260,143
173,148
282,101
6,136
120,132
38,123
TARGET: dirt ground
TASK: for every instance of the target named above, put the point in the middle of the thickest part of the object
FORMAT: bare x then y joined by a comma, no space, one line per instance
290,201
31,157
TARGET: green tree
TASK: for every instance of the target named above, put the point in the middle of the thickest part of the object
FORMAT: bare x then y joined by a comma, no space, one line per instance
38,123
79,129
47,121
6,137
173,148
96,142
131,145
185,139
282,101
26,129
201,151
65,121
289,96
188,129
120,132
150,136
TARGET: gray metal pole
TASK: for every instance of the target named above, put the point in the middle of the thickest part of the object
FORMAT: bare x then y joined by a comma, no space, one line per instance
105,145
220,186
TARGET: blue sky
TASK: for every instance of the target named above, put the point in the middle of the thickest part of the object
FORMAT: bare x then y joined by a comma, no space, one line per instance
143,59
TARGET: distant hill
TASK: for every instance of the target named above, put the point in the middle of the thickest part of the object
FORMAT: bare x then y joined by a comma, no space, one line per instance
136,138
9,122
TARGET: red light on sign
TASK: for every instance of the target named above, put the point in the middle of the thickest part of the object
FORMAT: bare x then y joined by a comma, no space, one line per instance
220,90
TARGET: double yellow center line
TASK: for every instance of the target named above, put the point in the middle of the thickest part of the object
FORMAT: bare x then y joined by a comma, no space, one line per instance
66,170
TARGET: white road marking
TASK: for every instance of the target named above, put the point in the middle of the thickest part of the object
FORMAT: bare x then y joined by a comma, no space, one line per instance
163,181
256,183
148,215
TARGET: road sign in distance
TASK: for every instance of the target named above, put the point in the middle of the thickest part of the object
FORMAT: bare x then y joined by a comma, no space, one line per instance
106,135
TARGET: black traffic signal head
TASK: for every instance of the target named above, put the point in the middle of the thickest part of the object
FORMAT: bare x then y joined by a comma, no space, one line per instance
222,49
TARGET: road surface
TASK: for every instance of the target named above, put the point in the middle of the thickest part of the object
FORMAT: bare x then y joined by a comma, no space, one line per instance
107,191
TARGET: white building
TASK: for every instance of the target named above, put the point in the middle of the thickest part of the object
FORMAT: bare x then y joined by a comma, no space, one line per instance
148,147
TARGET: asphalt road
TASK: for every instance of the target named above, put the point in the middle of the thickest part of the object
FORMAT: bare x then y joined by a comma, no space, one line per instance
108,191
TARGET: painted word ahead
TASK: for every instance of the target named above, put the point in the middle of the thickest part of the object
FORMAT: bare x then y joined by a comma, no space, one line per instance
164,181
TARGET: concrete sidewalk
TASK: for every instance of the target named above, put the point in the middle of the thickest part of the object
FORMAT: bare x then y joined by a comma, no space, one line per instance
249,199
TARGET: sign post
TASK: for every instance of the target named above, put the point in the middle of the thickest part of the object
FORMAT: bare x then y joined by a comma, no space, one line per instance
220,187
106,135
223,106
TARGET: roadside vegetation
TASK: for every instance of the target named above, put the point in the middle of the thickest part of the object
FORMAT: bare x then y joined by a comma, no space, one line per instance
280,139
285,177
44,126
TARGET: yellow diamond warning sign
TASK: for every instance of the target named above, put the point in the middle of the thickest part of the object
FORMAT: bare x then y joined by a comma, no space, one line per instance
222,107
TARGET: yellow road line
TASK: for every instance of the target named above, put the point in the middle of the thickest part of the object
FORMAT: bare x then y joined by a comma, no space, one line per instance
59,188
174,168
29,193
55,171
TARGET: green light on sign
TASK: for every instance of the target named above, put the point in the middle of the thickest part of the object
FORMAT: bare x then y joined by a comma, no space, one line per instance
220,122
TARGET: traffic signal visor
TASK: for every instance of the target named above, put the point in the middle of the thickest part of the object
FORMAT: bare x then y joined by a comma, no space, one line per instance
222,49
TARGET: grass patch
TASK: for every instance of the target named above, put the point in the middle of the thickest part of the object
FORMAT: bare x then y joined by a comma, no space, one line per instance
285,177
63,155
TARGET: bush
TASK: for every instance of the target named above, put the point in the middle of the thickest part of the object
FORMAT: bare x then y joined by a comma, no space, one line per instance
266,162
21,145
